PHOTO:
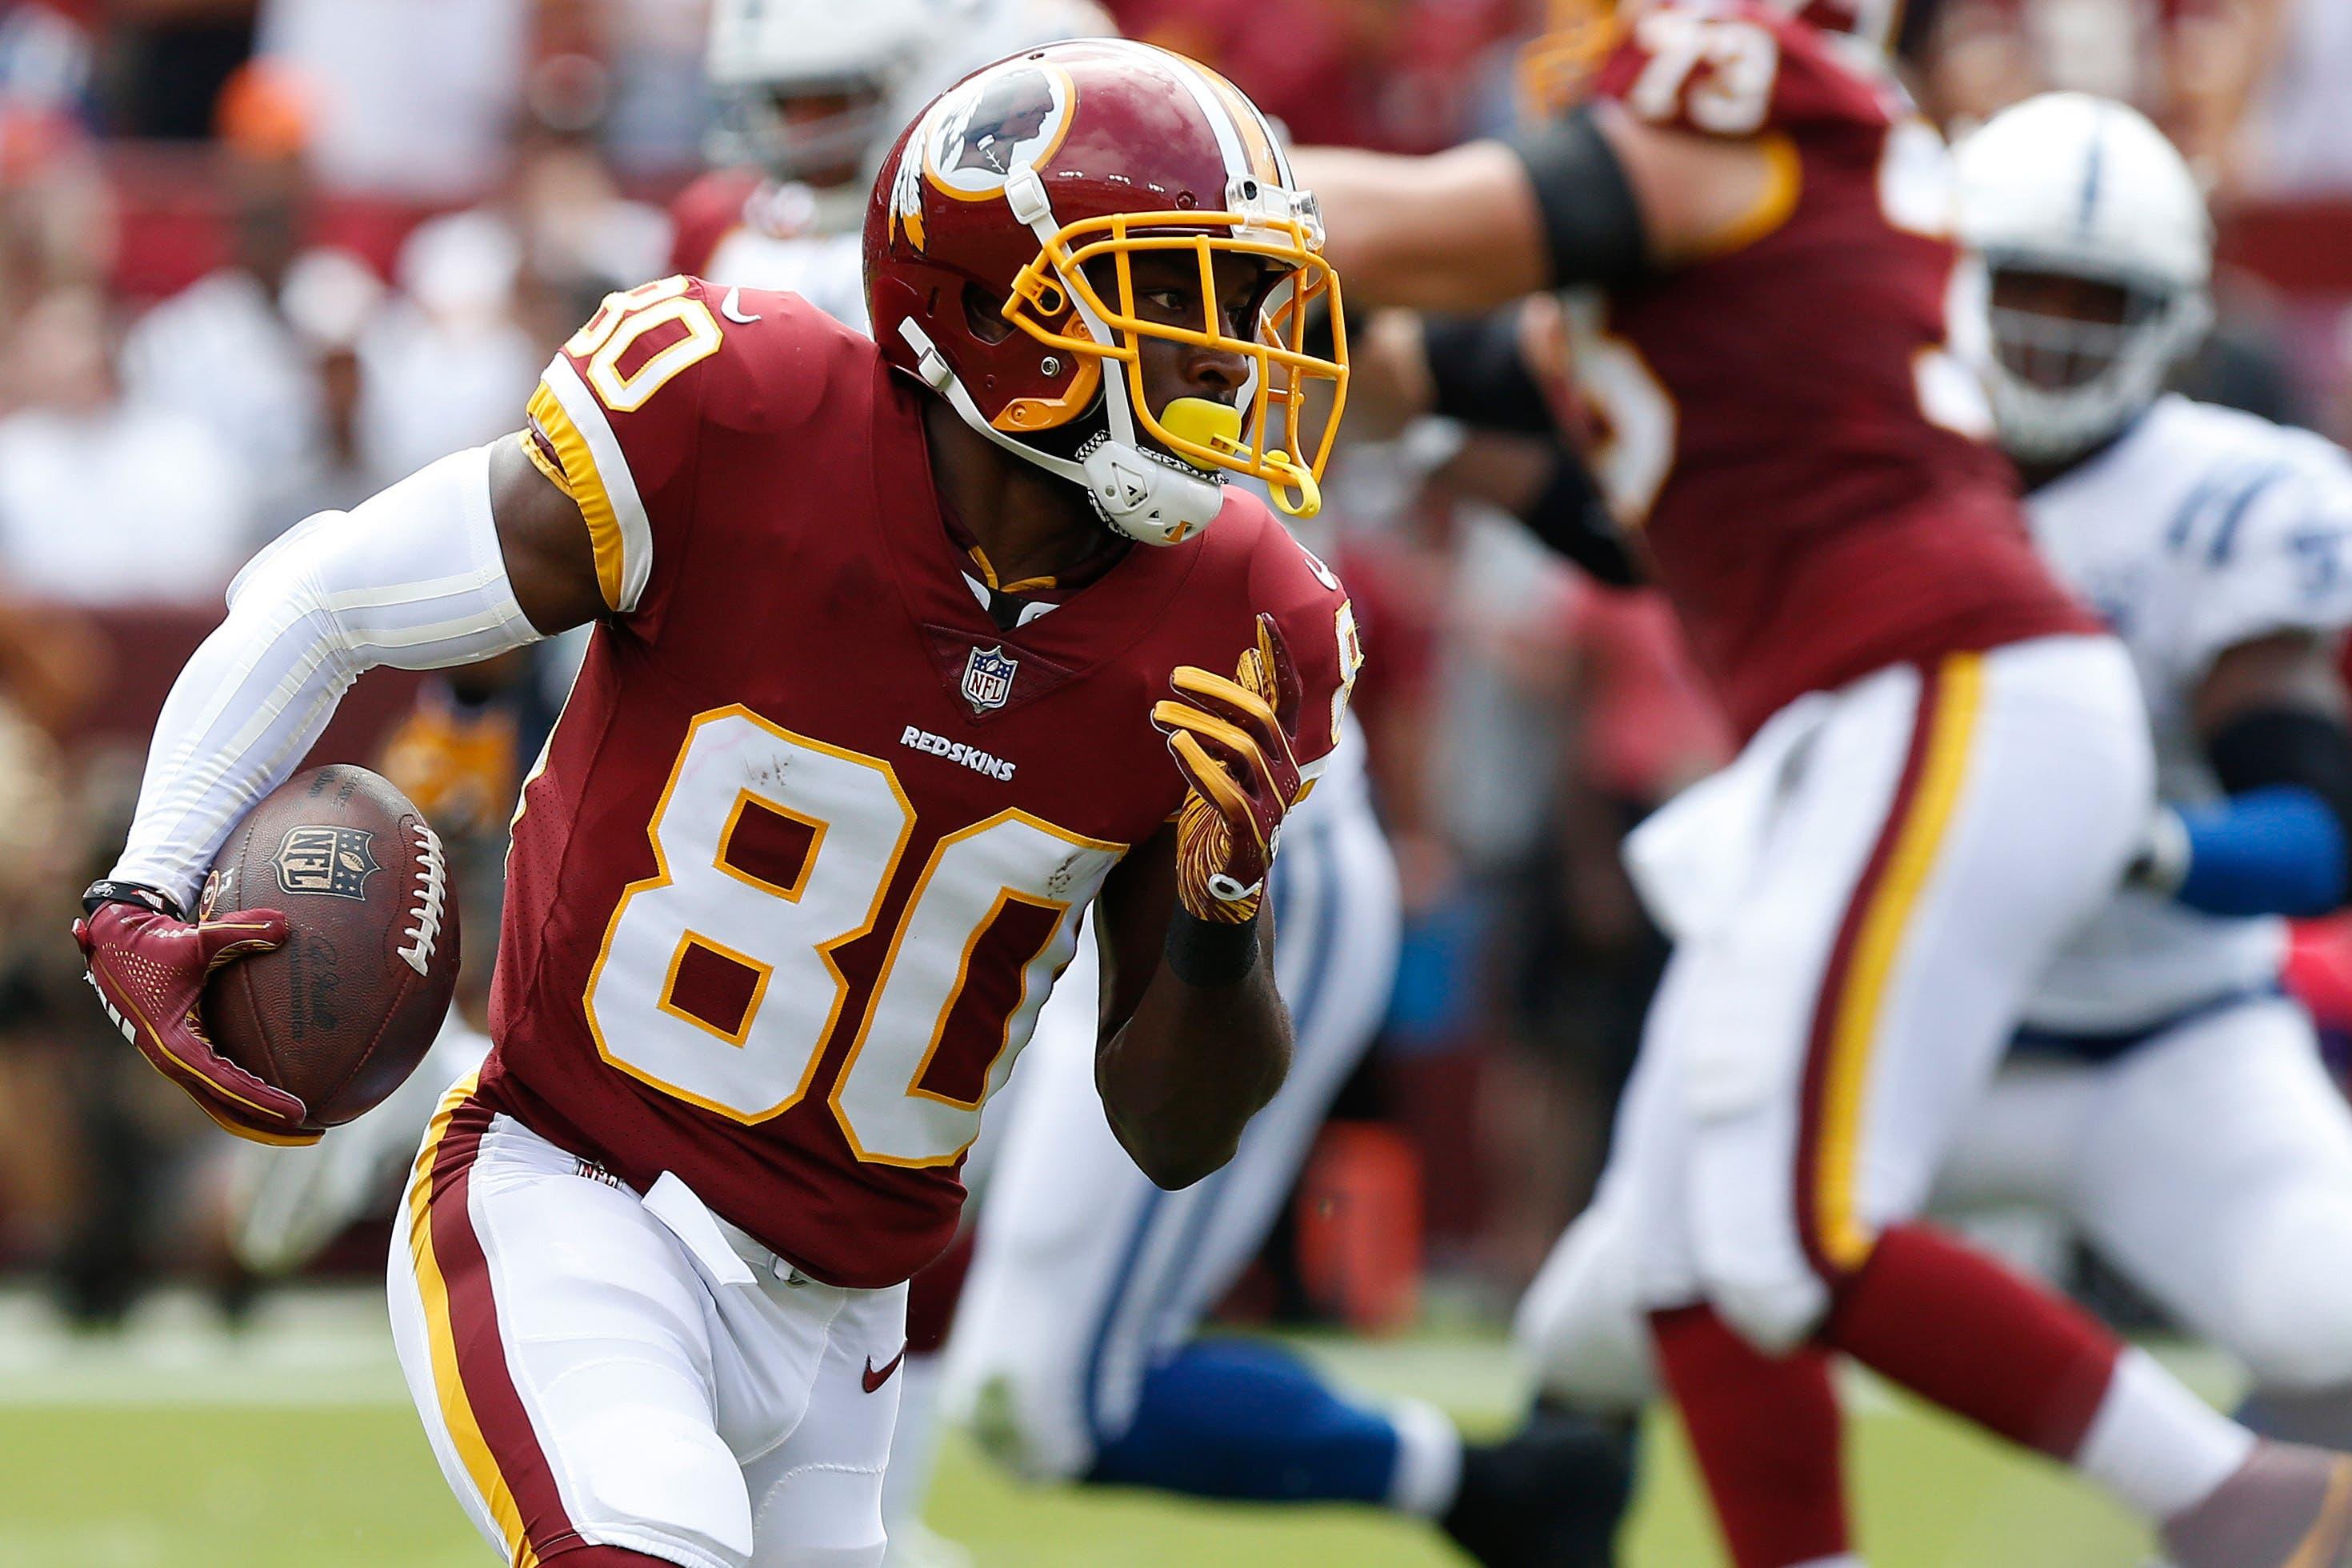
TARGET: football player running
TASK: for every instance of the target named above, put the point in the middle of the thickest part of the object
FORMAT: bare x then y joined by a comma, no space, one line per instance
1947,767
2162,1097
1074,1346
812,838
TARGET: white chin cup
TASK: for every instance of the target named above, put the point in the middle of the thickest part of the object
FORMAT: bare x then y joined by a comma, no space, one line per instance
1147,497
1138,493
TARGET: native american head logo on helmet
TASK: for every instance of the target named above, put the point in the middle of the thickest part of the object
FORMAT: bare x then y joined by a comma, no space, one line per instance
1000,249
1010,111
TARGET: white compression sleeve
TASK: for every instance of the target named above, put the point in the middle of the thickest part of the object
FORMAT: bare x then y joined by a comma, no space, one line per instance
411,577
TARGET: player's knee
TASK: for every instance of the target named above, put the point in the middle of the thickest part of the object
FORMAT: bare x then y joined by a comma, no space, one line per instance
2292,1316
1774,1312
1581,1324
658,1476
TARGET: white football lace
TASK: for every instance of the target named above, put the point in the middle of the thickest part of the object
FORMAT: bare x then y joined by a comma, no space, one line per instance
432,876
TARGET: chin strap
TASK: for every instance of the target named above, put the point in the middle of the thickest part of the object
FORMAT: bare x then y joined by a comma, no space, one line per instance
1137,494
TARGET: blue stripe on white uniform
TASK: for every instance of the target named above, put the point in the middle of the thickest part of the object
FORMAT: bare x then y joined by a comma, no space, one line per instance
2093,175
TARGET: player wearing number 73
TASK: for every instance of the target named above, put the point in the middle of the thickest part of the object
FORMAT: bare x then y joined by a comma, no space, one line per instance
1772,333
906,653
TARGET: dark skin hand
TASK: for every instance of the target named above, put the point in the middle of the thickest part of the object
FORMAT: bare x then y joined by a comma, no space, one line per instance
1181,1068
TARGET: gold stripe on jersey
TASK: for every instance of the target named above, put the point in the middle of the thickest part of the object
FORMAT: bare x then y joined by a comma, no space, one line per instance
456,1412
1957,695
584,485
1784,182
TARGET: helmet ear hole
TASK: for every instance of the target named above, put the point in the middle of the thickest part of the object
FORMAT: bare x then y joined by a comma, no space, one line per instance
984,312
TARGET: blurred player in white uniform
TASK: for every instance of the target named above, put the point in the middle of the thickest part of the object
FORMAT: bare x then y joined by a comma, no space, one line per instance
2164,1097
1073,1348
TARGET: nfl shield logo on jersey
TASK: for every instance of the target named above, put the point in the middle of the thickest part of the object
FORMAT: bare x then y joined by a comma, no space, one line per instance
988,677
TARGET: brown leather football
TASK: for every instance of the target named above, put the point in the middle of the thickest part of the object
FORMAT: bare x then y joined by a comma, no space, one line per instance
345,1010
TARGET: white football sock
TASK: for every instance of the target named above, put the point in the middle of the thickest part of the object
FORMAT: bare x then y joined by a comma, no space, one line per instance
1429,1459
2156,1445
1842,1560
914,1443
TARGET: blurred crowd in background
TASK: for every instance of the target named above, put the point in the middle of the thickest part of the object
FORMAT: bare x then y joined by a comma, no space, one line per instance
261,258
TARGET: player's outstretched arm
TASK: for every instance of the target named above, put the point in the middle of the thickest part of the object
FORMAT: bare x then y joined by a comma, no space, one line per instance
1593,197
1194,1039
467,558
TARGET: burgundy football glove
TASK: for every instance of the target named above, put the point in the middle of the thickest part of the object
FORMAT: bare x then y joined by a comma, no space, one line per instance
1232,741
148,970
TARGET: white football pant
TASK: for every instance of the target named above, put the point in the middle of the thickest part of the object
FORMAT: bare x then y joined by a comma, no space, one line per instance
2211,1165
594,1367
1862,904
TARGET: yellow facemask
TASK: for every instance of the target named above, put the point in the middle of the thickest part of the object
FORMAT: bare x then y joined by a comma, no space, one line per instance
1053,296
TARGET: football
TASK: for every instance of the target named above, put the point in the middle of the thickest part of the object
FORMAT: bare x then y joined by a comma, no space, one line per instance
344,1011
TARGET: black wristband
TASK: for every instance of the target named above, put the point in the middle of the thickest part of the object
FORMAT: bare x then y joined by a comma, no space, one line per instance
1569,516
1477,375
100,893
1207,954
1590,214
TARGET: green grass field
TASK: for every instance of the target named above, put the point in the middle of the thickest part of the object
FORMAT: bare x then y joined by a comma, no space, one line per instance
293,1443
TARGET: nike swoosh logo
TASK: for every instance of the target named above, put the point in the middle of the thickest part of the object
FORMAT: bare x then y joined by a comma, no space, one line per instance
732,307
874,1379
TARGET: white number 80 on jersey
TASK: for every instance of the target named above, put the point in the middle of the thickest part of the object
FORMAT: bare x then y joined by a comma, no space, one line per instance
770,942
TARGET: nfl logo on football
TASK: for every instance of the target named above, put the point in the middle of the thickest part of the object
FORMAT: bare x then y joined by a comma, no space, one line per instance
325,858
988,677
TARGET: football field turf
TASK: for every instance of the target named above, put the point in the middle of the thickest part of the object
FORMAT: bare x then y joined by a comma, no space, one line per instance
293,1443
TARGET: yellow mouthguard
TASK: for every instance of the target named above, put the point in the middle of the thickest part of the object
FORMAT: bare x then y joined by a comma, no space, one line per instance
1204,423
1217,427
1295,475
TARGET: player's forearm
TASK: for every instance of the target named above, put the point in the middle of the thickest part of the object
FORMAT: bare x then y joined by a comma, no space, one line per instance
1457,231
411,577
1207,1046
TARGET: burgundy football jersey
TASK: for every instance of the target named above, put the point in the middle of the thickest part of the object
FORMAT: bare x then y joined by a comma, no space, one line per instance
811,841
1791,422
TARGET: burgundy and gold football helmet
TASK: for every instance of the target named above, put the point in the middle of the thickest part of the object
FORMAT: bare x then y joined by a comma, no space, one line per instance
1029,188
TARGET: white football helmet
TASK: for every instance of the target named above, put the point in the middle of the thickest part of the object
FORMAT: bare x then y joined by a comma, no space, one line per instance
766,53
883,60
2083,187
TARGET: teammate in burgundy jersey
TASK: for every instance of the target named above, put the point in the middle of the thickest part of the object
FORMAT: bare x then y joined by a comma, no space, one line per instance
1853,515
1945,773
906,652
